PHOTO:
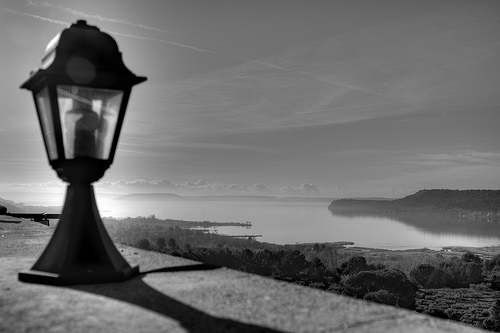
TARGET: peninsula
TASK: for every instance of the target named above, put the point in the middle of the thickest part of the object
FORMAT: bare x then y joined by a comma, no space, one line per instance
465,203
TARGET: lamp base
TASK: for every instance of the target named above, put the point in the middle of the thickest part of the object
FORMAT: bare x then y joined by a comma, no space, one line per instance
40,277
80,250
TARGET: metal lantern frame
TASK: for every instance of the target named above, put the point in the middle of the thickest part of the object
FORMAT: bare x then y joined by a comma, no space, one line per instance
80,250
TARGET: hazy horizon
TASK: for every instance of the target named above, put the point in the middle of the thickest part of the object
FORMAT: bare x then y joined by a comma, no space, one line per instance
293,98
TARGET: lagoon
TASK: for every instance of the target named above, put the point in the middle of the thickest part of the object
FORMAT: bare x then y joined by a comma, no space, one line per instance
312,222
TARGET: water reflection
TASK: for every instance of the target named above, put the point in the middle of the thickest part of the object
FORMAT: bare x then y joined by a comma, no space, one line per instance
438,225
289,223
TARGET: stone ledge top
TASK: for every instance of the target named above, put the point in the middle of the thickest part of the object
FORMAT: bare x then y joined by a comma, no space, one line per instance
211,300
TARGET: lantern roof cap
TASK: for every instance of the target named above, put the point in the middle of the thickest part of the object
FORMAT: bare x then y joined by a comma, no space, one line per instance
84,55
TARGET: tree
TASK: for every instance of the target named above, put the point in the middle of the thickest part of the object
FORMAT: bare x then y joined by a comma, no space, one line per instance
172,243
161,243
471,257
429,276
463,273
382,296
355,265
392,280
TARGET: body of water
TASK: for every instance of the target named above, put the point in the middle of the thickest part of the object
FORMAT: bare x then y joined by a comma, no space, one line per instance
312,222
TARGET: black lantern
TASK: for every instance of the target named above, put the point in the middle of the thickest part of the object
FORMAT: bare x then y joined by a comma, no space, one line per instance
81,93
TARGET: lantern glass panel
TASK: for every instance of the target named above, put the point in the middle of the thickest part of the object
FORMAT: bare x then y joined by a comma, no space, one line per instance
46,120
88,120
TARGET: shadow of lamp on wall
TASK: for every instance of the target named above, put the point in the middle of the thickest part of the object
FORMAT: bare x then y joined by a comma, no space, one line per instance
81,93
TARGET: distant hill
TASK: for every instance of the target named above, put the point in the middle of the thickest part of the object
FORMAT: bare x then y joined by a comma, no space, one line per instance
245,198
16,207
11,206
472,203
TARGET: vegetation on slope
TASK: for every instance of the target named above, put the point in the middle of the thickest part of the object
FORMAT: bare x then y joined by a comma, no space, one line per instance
473,203
462,288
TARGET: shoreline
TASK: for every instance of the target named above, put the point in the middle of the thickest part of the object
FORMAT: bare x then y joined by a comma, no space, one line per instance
448,251
347,246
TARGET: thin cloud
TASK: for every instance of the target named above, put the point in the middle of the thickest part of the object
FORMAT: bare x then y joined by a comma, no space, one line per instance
206,188
456,158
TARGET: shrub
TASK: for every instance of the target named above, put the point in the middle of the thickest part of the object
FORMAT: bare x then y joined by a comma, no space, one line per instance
382,296
471,257
144,244
496,260
463,273
436,312
161,243
453,315
318,285
391,280
493,281
492,323
291,264
172,243
316,270
429,276
491,264
355,265
335,288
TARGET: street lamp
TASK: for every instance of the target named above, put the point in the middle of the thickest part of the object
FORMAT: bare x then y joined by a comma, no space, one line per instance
81,93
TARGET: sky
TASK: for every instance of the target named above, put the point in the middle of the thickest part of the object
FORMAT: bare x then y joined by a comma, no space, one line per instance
302,98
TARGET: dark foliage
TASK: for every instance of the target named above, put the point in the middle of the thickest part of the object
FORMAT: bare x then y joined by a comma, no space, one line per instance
473,306
429,276
144,244
471,257
393,281
437,312
463,273
161,243
172,243
301,264
382,296
493,321
493,281
284,265
489,265
355,265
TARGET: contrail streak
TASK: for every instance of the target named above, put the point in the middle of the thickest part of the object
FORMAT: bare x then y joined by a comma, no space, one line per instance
15,12
262,63
348,107
269,65
396,102
97,17
104,19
